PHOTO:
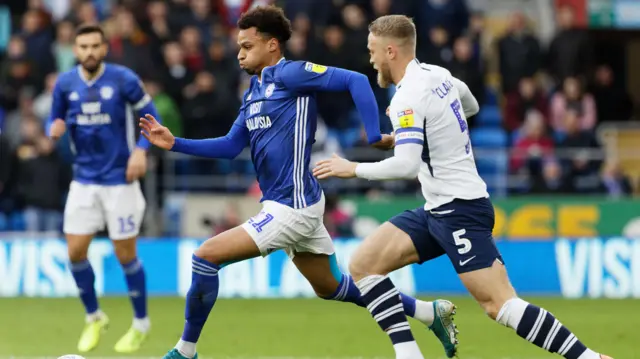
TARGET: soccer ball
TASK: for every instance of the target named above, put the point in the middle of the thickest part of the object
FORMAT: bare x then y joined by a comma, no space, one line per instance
71,356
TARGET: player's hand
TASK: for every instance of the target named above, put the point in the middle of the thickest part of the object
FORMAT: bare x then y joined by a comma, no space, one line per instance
157,134
336,166
58,128
386,143
137,165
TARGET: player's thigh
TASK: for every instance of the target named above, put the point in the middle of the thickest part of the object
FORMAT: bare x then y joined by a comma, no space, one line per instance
124,207
404,240
464,231
83,215
490,287
231,246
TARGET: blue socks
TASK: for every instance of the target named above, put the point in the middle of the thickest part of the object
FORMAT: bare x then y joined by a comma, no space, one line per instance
85,279
137,287
201,297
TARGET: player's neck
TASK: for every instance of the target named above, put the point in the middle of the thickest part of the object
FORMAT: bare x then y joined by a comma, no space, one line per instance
272,62
89,76
398,72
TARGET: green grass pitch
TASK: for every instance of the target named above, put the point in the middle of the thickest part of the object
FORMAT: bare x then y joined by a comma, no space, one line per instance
303,328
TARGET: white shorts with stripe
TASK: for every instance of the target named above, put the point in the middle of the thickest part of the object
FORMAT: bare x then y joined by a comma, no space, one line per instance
295,230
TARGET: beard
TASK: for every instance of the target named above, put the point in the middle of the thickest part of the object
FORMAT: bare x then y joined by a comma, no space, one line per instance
384,76
91,64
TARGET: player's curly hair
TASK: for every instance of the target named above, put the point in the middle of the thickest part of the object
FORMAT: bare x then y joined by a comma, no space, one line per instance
269,21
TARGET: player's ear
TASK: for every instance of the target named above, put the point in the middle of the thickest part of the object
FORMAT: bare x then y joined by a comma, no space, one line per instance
273,45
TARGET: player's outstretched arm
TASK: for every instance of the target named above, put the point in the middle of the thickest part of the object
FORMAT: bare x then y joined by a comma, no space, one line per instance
228,146
306,76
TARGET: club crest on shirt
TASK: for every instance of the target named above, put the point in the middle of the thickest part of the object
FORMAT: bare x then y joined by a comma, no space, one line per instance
405,118
269,91
106,92
74,96
318,69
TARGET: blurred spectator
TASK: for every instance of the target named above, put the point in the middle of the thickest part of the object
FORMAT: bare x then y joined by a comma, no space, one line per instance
528,97
83,12
438,52
176,75
335,107
191,42
613,102
230,219
206,111
338,222
63,47
296,47
464,68
166,107
533,146
129,45
42,179
550,180
159,29
7,162
614,182
38,43
202,19
518,52
572,97
570,52
42,103
576,151
16,74
224,67
451,15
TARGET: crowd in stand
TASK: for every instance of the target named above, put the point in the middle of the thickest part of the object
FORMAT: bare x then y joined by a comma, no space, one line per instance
185,52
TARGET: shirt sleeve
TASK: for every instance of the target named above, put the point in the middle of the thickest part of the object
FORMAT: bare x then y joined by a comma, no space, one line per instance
470,105
307,76
59,102
228,146
408,125
140,100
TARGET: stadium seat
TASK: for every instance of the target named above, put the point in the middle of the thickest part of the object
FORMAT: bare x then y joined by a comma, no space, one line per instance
488,137
17,222
489,116
490,97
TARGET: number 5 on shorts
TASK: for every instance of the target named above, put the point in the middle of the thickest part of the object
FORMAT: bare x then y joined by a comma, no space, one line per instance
461,241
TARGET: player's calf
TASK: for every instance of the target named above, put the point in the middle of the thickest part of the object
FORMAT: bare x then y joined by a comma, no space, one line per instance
493,291
230,246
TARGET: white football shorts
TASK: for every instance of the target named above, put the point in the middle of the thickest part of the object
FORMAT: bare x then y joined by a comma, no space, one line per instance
90,207
295,230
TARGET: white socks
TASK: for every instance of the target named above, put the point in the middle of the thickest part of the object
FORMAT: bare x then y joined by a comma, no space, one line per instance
142,324
187,349
424,312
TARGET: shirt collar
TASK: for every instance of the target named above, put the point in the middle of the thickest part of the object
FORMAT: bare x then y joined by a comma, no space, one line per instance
413,65
262,72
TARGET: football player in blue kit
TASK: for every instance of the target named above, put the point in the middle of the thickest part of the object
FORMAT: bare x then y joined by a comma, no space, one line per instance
94,103
277,120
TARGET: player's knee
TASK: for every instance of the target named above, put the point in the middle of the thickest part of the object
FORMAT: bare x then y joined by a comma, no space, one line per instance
76,253
125,253
359,267
494,307
208,255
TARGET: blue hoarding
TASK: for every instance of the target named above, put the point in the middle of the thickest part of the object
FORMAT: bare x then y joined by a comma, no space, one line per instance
582,268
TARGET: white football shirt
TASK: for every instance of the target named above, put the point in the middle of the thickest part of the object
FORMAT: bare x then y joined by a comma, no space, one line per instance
429,115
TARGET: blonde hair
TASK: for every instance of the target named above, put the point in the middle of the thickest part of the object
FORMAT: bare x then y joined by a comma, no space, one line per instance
398,27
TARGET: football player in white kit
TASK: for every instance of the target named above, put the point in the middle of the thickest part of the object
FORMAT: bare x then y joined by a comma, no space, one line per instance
428,113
